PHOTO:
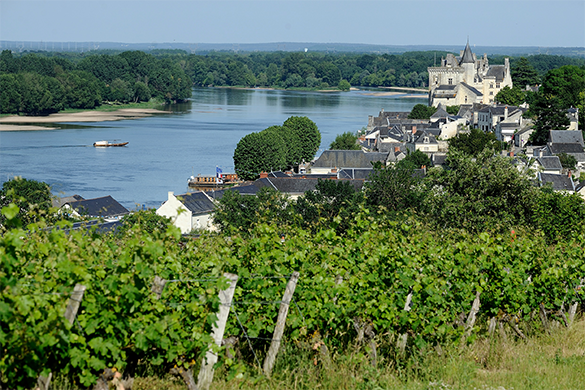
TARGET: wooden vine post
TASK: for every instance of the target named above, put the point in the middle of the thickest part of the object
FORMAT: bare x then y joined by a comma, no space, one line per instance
280,322
403,338
225,298
75,299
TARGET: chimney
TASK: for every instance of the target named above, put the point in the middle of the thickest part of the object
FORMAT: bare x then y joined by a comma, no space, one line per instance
171,195
263,175
334,170
413,129
512,153
570,173
396,149
506,113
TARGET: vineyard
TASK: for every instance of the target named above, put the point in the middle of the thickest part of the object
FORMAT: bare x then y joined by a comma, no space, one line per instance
157,297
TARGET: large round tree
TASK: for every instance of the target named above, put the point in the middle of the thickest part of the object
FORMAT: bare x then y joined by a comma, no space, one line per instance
308,136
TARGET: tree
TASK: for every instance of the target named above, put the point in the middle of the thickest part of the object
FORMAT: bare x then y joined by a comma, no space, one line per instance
558,214
474,142
33,198
145,221
415,160
331,205
524,74
421,111
344,85
307,134
481,193
511,96
550,116
452,110
565,84
258,152
345,141
567,160
396,188
236,212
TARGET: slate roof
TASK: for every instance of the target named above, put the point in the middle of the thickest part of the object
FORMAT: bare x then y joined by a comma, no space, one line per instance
438,159
59,202
496,71
99,207
472,89
440,113
348,159
566,148
558,182
550,162
566,137
196,202
355,173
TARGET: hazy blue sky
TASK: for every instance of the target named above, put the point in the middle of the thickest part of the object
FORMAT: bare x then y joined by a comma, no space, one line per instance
436,22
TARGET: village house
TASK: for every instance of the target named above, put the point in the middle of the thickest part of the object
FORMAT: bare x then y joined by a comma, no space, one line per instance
188,211
334,160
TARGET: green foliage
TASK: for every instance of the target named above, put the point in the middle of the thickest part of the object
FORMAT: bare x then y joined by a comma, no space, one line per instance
31,197
550,116
415,160
397,188
120,321
511,96
452,110
345,141
344,85
145,221
480,193
559,215
567,160
523,74
474,142
332,205
307,135
276,147
421,111
235,212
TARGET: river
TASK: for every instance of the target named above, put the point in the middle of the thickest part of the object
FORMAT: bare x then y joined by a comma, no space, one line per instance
164,150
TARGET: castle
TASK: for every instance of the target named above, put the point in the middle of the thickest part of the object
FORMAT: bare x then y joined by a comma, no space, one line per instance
467,80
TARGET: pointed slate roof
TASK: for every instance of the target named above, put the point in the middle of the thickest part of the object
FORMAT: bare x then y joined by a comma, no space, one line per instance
196,202
467,57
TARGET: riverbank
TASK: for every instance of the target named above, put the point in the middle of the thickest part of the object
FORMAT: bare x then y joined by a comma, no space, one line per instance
28,123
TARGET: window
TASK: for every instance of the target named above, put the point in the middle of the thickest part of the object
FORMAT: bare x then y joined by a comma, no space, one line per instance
491,85
450,81
491,93
497,85
426,140
465,98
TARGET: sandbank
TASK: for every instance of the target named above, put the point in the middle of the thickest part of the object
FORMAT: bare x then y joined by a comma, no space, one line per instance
12,123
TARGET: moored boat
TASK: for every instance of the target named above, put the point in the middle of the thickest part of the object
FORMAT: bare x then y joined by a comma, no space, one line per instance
221,180
105,144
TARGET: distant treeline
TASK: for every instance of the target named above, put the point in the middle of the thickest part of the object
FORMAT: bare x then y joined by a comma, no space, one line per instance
45,82
39,85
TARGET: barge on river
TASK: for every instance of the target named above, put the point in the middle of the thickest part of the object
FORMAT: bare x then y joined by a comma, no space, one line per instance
221,180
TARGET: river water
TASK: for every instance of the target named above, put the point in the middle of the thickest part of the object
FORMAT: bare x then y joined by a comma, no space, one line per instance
164,150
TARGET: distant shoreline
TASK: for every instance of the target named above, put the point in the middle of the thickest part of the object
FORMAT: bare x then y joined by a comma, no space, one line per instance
30,123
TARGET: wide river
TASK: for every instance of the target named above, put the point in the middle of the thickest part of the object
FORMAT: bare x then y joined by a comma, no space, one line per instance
164,150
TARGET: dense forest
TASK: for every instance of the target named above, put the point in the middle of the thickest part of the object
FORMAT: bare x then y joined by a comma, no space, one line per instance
45,82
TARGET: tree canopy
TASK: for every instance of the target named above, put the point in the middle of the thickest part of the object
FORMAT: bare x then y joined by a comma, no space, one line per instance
32,199
474,142
421,111
345,141
277,147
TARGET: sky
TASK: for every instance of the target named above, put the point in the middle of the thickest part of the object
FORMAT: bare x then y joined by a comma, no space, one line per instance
385,22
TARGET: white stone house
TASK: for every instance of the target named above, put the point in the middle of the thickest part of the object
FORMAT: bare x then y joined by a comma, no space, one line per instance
189,211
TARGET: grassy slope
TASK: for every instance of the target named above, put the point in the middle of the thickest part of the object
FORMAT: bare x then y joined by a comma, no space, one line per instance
553,361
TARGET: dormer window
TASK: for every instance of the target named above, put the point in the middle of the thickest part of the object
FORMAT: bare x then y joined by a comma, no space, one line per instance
450,81
426,140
